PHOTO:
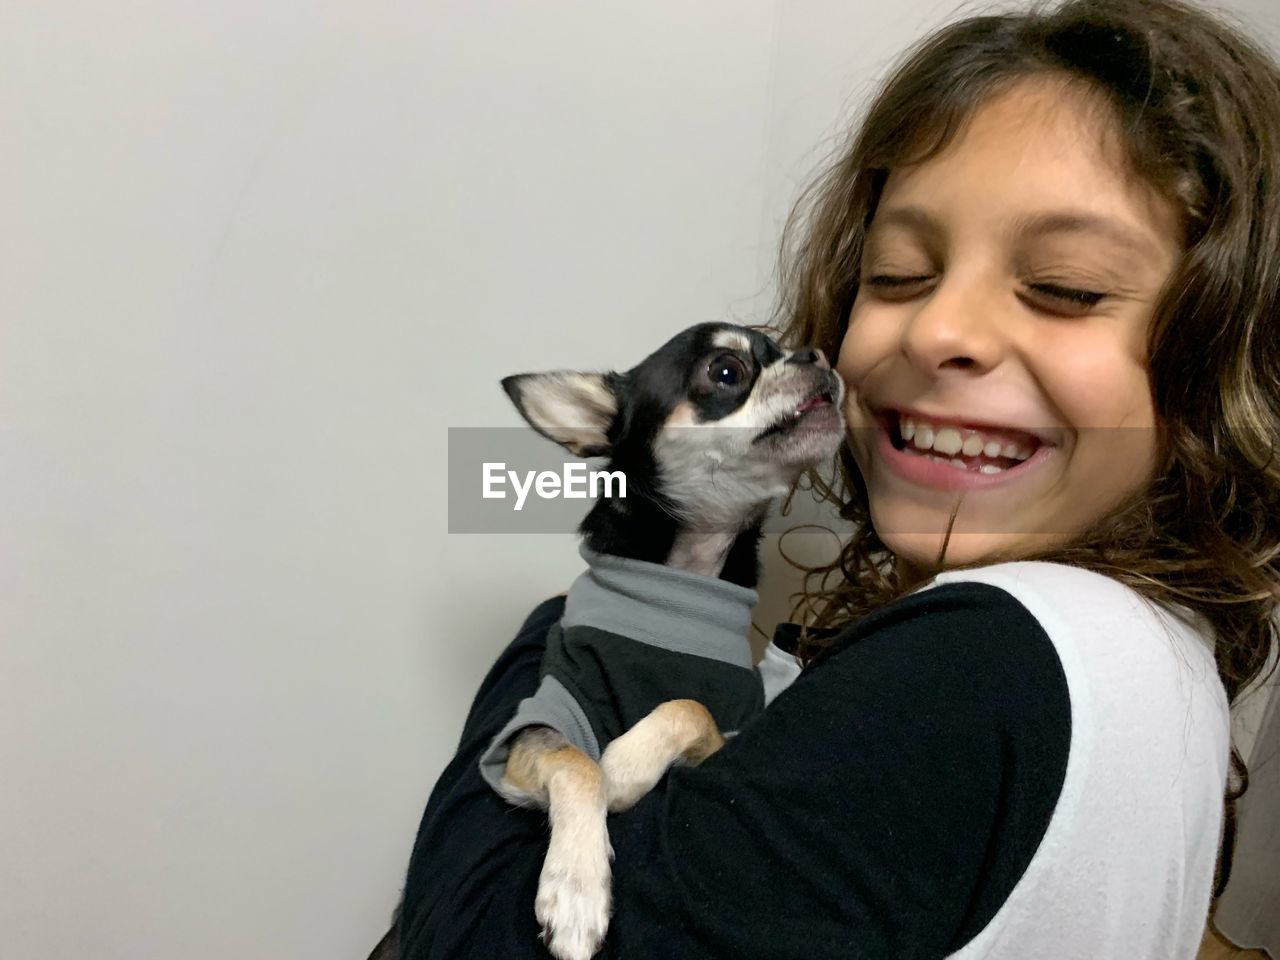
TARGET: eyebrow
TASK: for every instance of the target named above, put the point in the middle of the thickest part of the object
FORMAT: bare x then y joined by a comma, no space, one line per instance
1029,226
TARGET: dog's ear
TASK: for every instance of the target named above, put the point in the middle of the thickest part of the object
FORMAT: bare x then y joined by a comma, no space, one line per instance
573,409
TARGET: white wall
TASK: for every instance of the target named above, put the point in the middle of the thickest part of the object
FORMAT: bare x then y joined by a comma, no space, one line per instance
257,258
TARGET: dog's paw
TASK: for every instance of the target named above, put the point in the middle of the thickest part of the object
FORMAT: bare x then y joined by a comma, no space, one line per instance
574,894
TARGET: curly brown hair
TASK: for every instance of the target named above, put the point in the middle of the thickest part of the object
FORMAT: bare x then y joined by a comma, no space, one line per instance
1197,107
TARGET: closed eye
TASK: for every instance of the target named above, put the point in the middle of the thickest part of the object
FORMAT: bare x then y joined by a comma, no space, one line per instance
885,280
1065,301
892,287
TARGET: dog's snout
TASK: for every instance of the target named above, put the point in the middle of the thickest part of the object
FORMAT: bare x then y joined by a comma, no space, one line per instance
809,355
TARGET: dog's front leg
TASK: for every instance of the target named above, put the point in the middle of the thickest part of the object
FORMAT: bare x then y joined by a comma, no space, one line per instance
675,731
574,890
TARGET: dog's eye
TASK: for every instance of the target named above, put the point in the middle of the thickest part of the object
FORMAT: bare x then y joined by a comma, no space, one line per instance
727,371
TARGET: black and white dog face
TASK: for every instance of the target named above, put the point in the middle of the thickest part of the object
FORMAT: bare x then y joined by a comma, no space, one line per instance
712,426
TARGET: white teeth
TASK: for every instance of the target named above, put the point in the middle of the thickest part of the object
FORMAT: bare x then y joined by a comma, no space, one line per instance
990,468
947,441
959,463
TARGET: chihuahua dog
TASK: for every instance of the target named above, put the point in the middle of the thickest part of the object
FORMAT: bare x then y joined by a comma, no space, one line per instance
709,430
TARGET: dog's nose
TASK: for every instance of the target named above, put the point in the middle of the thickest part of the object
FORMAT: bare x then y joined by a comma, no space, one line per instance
809,355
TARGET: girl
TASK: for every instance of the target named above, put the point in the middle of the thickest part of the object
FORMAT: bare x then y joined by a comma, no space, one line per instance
1047,265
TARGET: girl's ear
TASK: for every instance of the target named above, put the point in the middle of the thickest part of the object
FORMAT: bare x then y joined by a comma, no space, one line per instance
573,409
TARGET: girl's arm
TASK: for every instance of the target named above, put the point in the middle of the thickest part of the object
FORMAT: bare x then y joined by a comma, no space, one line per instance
883,806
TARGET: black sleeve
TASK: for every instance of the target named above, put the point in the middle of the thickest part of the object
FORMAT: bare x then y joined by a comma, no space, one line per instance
883,806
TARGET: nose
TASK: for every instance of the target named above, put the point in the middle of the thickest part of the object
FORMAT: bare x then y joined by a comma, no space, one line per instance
957,328
809,355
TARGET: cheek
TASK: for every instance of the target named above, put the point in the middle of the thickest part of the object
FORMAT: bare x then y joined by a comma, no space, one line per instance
859,354
864,343
1102,390
1097,382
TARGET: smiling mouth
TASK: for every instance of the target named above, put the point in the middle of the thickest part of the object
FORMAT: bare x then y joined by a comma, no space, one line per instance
819,401
972,449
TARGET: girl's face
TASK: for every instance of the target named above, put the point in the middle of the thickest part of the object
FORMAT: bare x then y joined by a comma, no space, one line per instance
996,351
